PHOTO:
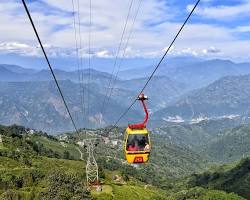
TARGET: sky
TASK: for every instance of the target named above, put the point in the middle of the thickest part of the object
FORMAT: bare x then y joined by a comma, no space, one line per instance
217,29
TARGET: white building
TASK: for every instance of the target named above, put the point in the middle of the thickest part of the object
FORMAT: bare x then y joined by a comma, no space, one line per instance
106,140
31,132
63,138
114,142
80,143
63,144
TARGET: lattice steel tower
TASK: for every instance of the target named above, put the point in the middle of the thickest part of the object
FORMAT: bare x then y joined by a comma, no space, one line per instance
91,167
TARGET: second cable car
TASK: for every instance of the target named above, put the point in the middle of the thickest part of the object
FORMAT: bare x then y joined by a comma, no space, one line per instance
137,143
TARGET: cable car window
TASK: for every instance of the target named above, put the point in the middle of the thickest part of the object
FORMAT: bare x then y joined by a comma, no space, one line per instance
138,142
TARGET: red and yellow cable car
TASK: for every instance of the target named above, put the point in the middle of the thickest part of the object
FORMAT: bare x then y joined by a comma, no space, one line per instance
137,143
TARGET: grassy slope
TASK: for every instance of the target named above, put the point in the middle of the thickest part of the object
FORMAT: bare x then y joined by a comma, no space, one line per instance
114,191
29,180
58,147
126,192
232,179
14,171
231,145
10,168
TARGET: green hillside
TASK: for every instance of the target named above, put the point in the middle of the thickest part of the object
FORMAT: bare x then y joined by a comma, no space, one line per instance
34,165
32,168
235,178
230,145
217,141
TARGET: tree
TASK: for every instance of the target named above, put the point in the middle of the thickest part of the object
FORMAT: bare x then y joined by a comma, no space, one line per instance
66,155
62,186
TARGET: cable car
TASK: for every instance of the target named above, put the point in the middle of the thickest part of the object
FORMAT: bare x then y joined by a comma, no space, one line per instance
137,141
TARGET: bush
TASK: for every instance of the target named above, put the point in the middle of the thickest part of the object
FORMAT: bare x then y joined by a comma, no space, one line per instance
10,195
62,186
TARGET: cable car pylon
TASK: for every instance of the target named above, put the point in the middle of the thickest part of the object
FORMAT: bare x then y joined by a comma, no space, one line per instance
92,174
91,167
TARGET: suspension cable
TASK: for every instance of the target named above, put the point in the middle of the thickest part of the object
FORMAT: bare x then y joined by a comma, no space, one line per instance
159,63
80,49
47,60
124,51
116,56
89,52
78,64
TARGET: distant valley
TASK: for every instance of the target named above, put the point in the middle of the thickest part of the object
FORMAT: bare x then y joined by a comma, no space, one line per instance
228,97
183,91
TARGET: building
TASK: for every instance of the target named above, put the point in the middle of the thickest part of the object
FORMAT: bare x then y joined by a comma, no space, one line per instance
114,142
80,143
31,131
63,138
106,140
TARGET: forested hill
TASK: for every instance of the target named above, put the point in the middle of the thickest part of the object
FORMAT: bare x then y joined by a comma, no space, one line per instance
36,166
226,97
234,178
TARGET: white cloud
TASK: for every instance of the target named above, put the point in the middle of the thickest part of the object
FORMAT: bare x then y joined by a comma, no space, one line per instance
108,20
223,12
211,50
188,52
30,50
56,29
242,29
19,48
104,54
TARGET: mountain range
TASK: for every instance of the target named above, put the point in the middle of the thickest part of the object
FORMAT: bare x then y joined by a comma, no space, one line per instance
226,97
183,91
39,105
195,73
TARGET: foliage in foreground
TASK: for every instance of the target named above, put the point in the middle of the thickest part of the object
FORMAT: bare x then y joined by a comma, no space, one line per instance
30,172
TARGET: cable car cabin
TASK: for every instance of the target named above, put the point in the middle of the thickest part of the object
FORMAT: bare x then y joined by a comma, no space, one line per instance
137,142
137,145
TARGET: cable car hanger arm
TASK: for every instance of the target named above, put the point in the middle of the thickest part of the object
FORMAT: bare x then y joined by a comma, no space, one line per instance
143,124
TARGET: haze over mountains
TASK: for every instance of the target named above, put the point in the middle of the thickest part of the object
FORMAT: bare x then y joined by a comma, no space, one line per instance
182,90
228,96
192,72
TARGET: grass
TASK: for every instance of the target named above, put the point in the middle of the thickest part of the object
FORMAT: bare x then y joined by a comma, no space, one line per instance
126,192
10,168
48,164
2,146
10,164
58,147
36,176
111,191
106,189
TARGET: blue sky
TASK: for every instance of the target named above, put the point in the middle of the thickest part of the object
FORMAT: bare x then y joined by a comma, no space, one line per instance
218,29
